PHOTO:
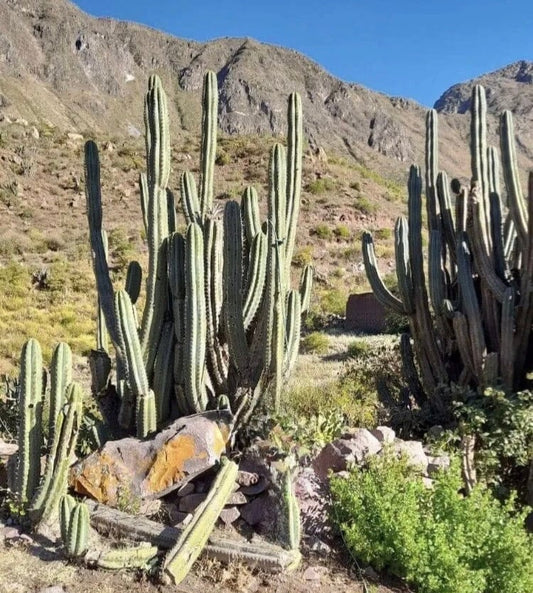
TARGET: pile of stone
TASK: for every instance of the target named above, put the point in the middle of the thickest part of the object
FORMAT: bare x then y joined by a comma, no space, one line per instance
353,448
252,504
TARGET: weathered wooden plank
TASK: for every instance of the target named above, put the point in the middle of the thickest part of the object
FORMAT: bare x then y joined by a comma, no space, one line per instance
120,525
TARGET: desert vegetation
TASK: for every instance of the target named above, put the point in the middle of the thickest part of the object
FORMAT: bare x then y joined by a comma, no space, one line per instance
214,337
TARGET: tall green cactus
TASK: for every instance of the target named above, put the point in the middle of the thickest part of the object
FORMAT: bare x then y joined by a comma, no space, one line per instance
478,329
41,495
220,317
30,429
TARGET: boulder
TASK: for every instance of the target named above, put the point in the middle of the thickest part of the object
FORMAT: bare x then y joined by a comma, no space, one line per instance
414,453
436,464
126,471
384,434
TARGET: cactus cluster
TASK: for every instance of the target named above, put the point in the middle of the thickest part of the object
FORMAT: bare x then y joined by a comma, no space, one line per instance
38,494
221,322
471,311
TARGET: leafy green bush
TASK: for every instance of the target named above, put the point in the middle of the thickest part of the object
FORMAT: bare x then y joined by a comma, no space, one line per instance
341,231
316,342
333,301
319,186
303,256
322,231
435,538
358,348
503,426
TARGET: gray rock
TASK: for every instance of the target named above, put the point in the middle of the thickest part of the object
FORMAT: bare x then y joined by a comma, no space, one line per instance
384,434
237,498
185,490
257,488
362,443
436,464
229,515
132,469
247,478
414,452
52,589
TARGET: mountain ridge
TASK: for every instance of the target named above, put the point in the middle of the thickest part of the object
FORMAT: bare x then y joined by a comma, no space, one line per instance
59,64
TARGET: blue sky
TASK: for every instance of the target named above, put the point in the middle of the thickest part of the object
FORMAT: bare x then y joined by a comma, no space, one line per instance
410,48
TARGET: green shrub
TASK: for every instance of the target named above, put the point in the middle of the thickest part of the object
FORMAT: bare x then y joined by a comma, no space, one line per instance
365,206
333,301
316,342
358,348
383,234
320,186
322,231
435,538
303,256
503,426
341,231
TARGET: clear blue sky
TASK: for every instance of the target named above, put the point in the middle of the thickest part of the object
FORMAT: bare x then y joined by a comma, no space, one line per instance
410,48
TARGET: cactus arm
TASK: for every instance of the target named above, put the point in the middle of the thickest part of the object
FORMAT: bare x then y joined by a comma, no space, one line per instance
250,213
233,289
480,173
292,509
420,297
195,320
292,331
30,435
507,339
102,335
139,557
294,174
136,372
66,506
157,134
194,537
144,196
46,502
60,378
94,213
163,372
517,207
306,286
432,203
435,272
525,310
209,142
216,350
189,198
146,414
171,211
446,209
78,531
409,370
403,267
382,293
256,277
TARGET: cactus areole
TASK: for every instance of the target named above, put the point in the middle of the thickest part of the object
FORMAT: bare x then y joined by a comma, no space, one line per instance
221,321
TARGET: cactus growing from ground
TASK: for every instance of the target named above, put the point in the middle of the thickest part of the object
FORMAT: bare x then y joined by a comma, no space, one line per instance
220,317
41,495
77,532
470,316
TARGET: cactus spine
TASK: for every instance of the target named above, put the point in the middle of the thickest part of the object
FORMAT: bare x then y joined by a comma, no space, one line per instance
479,329
220,317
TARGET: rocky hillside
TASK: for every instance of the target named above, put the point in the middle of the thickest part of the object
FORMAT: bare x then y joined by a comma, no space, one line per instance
508,88
61,66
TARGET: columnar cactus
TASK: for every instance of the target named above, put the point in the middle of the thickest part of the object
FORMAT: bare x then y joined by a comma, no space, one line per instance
41,495
220,317
78,530
191,542
30,429
477,330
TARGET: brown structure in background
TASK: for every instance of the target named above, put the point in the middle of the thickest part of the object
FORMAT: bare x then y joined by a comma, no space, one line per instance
365,313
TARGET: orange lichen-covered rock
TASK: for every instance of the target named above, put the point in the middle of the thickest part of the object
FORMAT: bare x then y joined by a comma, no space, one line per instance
124,472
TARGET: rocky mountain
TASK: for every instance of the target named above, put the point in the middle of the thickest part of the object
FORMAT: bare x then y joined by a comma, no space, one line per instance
511,88
60,66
